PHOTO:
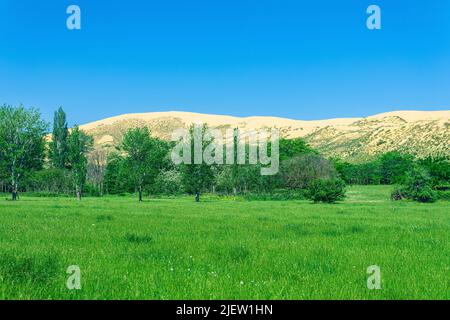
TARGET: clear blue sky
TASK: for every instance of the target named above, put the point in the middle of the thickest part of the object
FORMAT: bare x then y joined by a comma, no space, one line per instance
297,59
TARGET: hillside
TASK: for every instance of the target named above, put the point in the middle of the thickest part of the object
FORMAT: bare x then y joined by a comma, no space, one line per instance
418,132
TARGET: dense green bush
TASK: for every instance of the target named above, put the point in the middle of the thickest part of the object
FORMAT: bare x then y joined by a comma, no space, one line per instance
326,190
426,194
418,187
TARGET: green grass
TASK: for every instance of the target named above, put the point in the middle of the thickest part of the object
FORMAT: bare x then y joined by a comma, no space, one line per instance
224,249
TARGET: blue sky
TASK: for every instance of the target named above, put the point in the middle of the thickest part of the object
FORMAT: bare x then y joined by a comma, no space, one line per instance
296,59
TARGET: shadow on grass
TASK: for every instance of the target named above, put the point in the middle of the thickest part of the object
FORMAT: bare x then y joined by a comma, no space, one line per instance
39,269
138,239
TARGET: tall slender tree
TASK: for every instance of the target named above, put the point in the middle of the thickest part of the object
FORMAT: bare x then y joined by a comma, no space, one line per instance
79,144
59,149
22,143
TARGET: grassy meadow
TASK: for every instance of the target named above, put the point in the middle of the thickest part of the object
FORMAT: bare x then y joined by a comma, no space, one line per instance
224,248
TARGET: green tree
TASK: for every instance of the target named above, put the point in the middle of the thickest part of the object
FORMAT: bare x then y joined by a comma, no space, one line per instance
117,175
438,168
59,145
197,177
22,143
290,148
394,166
145,156
300,171
79,144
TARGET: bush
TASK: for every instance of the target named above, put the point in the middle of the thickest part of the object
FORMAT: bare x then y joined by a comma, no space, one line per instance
426,194
299,172
168,183
418,187
326,190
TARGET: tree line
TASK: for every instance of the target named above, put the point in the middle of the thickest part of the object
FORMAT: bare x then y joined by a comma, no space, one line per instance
141,164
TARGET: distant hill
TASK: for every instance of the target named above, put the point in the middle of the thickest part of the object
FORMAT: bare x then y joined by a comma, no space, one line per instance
356,139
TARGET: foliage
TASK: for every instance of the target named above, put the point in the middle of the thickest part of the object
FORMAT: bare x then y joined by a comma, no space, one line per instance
168,182
58,147
418,187
197,177
438,168
117,176
300,171
52,180
144,155
289,148
79,144
359,173
326,190
21,143
394,167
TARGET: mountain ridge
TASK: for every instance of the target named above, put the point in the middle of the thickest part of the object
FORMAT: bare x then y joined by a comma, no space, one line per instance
421,133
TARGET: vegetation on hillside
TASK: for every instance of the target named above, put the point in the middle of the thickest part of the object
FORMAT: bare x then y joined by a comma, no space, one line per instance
141,164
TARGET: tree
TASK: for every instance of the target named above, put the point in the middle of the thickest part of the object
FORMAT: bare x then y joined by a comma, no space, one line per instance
117,175
52,180
79,144
22,143
290,148
145,156
300,171
438,168
197,177
96,170
394,166
59,144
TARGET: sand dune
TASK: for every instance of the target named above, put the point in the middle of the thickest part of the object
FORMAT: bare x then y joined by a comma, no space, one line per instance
419,132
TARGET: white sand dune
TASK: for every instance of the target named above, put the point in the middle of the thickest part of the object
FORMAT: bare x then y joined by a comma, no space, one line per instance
306,126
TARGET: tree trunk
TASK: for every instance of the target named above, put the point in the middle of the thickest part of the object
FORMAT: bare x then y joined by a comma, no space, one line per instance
78,191
14,191
235,191
197,197
140,194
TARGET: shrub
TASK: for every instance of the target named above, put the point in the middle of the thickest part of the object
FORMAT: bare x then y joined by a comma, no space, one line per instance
326,190
425,194
299,172
418,187
168,182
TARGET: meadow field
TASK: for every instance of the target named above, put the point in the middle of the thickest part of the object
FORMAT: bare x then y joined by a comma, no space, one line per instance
224,248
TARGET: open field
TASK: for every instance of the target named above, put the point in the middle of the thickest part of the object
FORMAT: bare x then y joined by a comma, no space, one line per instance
224,249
